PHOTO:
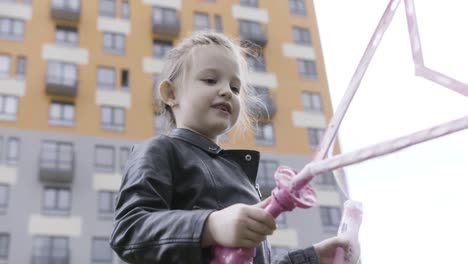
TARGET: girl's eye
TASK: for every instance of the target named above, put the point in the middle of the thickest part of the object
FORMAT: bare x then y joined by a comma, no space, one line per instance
235,89
210,81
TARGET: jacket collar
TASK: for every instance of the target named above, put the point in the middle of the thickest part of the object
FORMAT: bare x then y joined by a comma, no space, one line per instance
196,140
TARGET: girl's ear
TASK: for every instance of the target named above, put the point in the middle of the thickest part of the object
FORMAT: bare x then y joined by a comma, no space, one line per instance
167,91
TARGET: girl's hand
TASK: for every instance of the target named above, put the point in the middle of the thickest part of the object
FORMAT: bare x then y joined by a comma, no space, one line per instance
326,250
239,225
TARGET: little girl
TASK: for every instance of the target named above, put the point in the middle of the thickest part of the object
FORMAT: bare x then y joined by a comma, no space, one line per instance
182,194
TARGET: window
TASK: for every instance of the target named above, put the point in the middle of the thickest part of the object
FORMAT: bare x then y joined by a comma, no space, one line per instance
252,3
66,4
264,134
312,102
297,7
125,80
62,73
12,151
8,107
4,193
307,69
101,251
301,36
325,180
106,202
161,48
56,155
331,216
257,63
125,9
113,42
278,251
20,67
4,246
218,23
105,78
4,66
266,172
56,201
164,16
50,249
315,135
67,36
11,28
249,28
159,123
201,21
107,8
61,114
124,153
104,158
112,118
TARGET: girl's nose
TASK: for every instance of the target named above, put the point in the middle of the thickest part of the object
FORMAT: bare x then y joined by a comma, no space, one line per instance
225,91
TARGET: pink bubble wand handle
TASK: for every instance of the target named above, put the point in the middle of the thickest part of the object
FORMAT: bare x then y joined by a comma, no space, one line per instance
284,199
349,229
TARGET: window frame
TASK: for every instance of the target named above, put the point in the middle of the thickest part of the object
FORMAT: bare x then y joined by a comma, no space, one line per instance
4,204
315,135
160,48
4,241
5,101
94,247
103,11
113,42
6,72
307,69
297,7
101,167
62,120
13,25
100,85
301,36
57,148
312,102
201,21
68,33
112,125
263,139
21,62
56,208
266,172
39,255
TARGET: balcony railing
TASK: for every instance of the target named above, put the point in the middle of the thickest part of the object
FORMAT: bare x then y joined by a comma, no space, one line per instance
68,10
56,170
59,85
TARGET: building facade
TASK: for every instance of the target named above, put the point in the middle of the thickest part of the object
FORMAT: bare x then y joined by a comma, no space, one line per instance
76,82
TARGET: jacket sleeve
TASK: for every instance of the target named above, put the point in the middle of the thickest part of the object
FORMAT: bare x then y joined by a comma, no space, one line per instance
301,256
146,229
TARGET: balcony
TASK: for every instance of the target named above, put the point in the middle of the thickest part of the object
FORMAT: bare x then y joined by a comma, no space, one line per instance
165,22
253,31
50,260
268,109
56,162
68,10
59,85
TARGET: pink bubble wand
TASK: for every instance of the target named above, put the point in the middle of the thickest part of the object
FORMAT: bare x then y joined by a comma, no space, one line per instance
293,190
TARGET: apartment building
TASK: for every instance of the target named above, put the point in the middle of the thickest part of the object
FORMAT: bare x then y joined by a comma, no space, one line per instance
76,82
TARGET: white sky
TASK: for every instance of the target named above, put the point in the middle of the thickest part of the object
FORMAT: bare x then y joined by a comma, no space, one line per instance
415,201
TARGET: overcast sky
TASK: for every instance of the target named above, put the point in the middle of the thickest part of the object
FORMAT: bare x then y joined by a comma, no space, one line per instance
415,201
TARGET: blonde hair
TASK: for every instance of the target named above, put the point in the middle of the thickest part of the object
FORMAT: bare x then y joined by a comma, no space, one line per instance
176,67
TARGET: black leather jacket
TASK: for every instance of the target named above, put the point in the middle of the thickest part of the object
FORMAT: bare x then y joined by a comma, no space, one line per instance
171,184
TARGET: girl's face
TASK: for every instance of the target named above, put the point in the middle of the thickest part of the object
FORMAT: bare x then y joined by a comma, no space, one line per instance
208,98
